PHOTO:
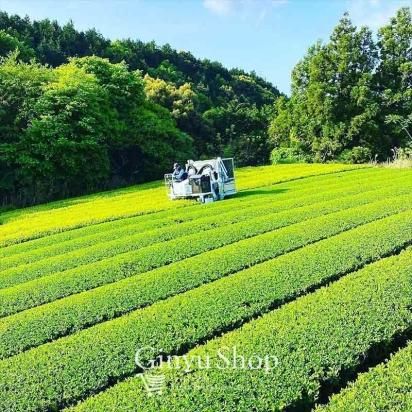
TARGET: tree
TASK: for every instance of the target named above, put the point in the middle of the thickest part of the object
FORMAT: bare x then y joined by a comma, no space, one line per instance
180,101
109,127
125,93
21,85
241,131
10,44
394,78
62,151
77,128
161,142
333,106
143,138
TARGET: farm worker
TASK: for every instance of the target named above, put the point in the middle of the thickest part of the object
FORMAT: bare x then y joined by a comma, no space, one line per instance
178,172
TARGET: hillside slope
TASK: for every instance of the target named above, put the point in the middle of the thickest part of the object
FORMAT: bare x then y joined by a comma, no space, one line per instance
221,109
308,264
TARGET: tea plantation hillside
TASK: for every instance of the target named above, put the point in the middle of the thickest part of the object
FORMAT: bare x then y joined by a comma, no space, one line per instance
293,294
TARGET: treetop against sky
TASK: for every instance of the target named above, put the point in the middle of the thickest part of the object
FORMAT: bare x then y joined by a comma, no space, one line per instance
268,36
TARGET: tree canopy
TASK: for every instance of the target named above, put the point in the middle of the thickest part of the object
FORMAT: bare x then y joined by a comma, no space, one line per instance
351,97
79,112
84,125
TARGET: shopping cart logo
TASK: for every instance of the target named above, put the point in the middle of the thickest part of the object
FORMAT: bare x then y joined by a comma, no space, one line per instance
154,384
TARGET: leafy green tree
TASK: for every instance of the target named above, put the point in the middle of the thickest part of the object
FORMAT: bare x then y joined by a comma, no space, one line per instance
394,79
110,123
180,101
241,131
354,106
168,72
63,151
21,85
333,106
10,44
206,84
143,137
124,89
82,126
125,93
46,36
161,142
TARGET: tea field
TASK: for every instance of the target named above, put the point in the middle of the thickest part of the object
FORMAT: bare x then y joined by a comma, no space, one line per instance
308,266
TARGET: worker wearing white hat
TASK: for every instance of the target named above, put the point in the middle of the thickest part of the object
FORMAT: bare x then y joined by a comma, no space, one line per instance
179,173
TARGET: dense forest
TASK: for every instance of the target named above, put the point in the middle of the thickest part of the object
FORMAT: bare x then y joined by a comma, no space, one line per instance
79,112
